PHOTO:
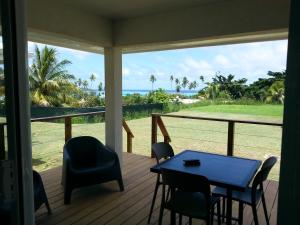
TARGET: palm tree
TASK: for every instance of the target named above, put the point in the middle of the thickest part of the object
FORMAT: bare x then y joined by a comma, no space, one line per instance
85,84
184,82
171,79
212,91
79,82
275,93
177,81
201,78
49,81
152,80
193,85
92,78
100,89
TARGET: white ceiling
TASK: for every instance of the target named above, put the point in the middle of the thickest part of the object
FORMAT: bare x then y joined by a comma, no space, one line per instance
120,9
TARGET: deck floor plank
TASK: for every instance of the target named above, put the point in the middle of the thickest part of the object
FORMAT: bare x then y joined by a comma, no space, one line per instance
104,204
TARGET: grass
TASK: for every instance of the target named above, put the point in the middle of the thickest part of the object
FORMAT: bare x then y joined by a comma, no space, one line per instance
251,141
256,110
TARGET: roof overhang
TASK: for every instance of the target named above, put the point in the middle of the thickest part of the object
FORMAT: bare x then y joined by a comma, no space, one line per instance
92,25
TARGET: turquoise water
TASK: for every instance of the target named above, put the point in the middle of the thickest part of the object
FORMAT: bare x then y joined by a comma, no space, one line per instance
144,92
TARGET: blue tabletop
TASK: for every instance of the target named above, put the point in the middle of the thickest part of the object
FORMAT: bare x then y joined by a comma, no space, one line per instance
220,170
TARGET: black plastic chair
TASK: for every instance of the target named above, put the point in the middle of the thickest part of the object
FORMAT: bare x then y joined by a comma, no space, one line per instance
252,195
190,196
164,151
86,161
40,196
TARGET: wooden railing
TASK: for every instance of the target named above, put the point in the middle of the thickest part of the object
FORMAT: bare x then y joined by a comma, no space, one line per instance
68,128
157,122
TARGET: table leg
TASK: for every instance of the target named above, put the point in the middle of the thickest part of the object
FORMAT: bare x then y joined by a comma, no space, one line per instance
229,207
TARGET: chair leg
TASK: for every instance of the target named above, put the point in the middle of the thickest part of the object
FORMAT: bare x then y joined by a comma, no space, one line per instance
212,212
263,200
168,193
223,209
190,220
67,195
180,219
48,207
255,218
153,199
241,213
121,185
161,213
219,212
173,217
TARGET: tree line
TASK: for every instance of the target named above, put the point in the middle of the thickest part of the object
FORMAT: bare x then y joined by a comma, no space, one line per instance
269,89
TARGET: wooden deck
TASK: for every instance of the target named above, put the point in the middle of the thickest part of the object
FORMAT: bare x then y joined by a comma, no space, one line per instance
104,204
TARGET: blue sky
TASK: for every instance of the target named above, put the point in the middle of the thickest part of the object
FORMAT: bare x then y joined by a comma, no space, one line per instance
251,61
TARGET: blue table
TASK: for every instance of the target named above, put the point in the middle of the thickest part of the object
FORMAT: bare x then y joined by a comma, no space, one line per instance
232,173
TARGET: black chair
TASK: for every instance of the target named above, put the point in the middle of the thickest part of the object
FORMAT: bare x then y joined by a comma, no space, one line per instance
86,161
164,151
190,196
252,195
40,196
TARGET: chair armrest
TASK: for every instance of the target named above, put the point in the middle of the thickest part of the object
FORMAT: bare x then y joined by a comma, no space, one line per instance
108,154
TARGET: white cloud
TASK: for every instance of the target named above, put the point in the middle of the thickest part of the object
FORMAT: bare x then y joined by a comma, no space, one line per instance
193,68
222,61
125,71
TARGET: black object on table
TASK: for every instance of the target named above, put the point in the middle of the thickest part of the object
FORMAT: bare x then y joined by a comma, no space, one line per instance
232,173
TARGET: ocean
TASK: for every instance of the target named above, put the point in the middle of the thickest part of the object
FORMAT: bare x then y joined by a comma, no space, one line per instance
144,92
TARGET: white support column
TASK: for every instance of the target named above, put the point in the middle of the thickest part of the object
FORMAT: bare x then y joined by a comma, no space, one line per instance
113,99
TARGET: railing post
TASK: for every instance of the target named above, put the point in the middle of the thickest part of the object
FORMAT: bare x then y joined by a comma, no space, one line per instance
129,143
2,142
129,136
68,128
230,139
153,132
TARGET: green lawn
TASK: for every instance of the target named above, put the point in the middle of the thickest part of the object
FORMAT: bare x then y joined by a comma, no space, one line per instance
251,141
257,110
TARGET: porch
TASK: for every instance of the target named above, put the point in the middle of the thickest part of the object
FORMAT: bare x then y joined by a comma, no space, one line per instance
104,204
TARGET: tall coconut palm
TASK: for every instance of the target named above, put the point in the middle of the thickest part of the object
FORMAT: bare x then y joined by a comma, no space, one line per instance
185,82
49,80
152,80
171,79
201,78
79,82
85,84
193,85
92,78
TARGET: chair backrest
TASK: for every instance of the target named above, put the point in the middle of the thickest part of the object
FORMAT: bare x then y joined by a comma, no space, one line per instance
262,175
186,182
162,150
83,151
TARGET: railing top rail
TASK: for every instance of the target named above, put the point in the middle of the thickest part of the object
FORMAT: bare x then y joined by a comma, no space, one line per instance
63,116
220,119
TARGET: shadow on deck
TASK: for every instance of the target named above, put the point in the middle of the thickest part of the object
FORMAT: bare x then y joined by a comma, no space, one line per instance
104,204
